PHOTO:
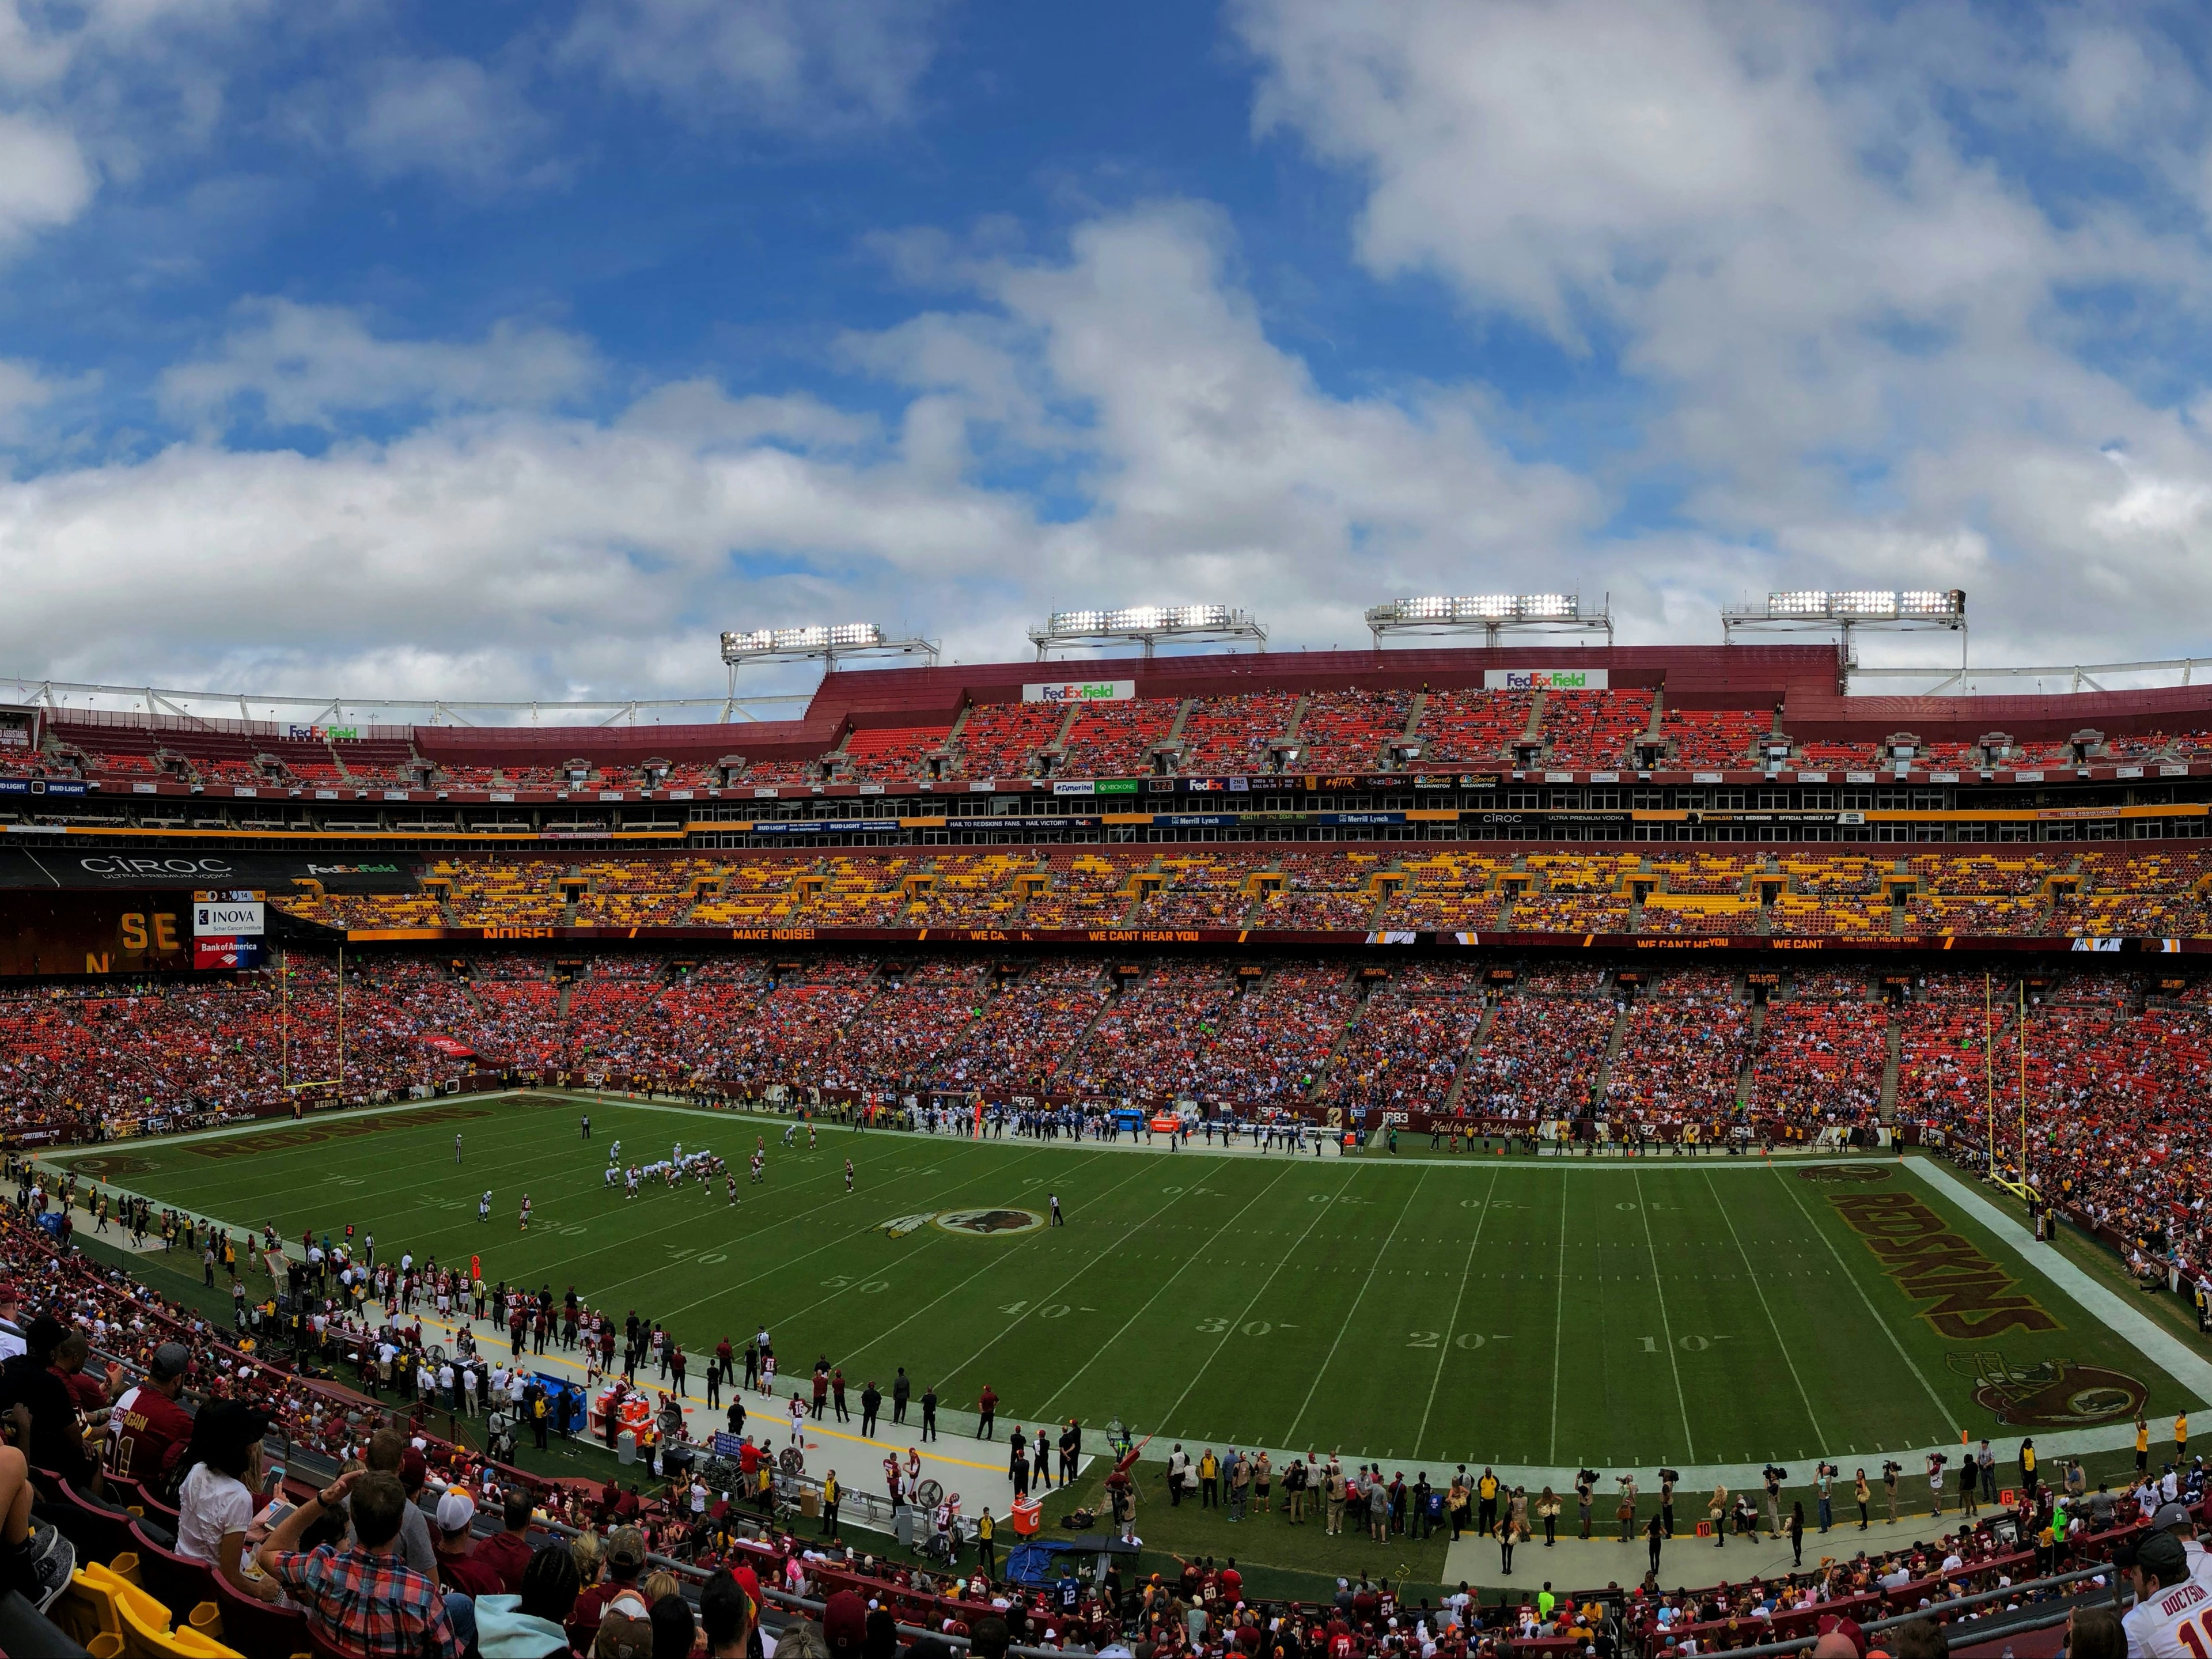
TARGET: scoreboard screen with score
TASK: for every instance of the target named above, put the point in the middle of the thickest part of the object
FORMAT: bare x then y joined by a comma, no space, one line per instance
129,933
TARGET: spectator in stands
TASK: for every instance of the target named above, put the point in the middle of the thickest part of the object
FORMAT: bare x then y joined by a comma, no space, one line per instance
530,1624
47,1428
673,1626
507,1554
389,1453
363,1598
726,1612
147,1429
216,1504
625,1560
457,1568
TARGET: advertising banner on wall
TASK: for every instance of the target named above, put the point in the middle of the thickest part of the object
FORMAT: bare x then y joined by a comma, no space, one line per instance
1081,692
1545,679
133,933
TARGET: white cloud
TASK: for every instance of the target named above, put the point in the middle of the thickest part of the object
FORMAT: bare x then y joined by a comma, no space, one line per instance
448,117
1835,251
811,67
529,550
44,178
308,365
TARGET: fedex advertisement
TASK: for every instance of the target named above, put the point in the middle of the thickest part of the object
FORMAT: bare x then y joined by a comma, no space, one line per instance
1081,692
1544,679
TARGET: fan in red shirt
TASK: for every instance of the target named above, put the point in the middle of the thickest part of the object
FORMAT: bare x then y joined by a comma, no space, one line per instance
457,1566
507,1554
147,1430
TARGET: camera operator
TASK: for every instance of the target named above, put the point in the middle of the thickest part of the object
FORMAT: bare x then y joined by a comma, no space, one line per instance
1889,1473
1585,1486
1668,1478
1935,1463
1774,1476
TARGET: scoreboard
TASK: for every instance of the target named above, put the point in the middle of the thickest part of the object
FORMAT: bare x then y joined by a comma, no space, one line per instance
128,934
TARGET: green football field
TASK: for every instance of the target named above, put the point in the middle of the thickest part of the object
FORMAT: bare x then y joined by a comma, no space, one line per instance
1540,1313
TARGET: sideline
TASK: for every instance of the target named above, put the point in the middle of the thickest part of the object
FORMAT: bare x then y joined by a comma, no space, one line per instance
1708,1161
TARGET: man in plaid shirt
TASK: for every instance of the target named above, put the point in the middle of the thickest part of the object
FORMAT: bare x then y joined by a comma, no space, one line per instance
364,1600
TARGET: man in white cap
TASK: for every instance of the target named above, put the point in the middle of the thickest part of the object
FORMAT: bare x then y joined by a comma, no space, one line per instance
458,1569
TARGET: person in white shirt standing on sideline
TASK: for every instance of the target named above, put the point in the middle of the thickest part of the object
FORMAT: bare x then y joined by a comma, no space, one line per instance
798,1420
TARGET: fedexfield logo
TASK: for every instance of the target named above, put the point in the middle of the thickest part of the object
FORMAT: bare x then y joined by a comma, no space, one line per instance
1081,692
1545,679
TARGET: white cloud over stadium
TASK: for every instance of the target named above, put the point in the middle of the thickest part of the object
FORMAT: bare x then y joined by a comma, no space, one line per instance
1812,296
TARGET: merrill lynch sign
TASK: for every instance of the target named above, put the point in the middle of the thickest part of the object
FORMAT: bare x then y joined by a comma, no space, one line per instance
1544,679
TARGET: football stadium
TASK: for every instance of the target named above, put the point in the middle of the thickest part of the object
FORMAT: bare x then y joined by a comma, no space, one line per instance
1200,830
1404,1105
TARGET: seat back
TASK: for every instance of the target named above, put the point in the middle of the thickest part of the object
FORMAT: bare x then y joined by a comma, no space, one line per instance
256,1628
175,1580
29,1634
101,1534
147,1637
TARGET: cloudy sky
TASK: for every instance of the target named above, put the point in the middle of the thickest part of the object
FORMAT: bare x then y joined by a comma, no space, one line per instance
514,349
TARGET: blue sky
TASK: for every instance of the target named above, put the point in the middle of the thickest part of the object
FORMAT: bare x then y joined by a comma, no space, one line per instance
512,350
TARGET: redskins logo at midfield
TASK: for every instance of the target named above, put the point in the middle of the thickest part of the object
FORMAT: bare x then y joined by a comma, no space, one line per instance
977,1224
2051,1393
989,1224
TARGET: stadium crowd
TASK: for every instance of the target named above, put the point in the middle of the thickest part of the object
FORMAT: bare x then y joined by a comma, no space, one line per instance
1331,889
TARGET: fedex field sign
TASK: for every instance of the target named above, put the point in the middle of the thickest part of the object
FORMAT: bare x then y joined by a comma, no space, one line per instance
1081,692
1544,679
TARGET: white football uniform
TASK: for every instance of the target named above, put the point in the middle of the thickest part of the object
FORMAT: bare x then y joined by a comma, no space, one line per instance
2176,1623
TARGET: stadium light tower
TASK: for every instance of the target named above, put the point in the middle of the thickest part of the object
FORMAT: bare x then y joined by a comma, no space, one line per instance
1494,614
1844,612
829,643
1188,624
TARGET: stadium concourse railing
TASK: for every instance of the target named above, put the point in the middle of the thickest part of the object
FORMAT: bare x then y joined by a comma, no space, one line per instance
2043,1603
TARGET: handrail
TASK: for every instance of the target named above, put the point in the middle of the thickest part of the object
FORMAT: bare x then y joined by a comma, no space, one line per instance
1798,1644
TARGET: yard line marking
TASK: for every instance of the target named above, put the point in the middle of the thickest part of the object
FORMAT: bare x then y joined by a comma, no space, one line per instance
1452,1326
1292,1433
1804,1398
1047,1299
1320,1211
1558,1323
1189,1259
1689,1441
1942,1410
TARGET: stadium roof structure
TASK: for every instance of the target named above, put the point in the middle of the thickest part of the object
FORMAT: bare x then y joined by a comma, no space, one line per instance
1805,683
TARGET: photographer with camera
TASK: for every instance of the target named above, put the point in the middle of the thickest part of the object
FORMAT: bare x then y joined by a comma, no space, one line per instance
1774,1476
1668,1478
1585,1486
1935,1463
1889,1473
